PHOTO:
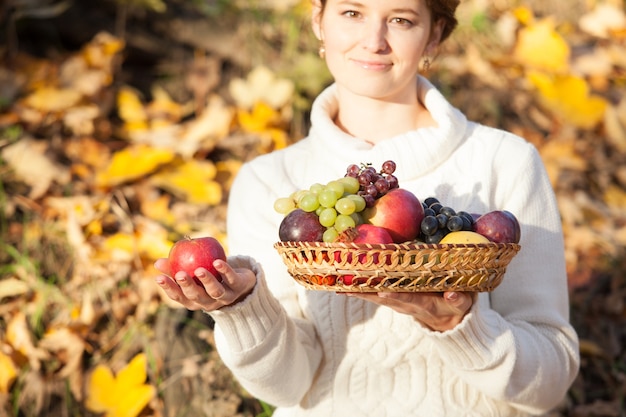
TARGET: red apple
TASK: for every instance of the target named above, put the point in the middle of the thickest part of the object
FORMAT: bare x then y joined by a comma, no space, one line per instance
189,254
363,233
499,226
400,212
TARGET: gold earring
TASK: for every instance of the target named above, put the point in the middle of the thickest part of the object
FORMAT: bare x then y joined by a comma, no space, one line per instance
322,51
426,65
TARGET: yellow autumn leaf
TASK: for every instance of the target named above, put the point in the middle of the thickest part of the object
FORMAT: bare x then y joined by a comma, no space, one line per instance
259,119
615,197
133,162
524,15
120,247
131,110
162,110
539,46
192,180
158,209
99,52
8,372
568,97
52,99
124,395
559,155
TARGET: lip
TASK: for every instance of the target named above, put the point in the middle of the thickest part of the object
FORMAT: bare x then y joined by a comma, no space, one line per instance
372,65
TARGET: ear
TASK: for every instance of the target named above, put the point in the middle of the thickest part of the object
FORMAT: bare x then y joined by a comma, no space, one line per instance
435,35
316,19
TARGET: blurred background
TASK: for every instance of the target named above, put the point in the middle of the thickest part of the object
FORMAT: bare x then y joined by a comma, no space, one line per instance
123,122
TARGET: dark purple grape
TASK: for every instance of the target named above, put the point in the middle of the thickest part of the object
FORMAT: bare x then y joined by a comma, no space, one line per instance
436,206
369,200
448,211
429,225
393,181
300,226
429,212
443,220
371,189
382,185
353,170
430,201
455,223
389,167
436,237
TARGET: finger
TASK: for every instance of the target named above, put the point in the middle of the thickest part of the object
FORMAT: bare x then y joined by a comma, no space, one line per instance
163,265
213,285
191,289
227,274
171,288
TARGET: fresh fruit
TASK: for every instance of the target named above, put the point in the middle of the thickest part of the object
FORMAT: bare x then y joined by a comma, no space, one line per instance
339,203
440,220
190,254
301,226
499,226
464,236
400,212
363,233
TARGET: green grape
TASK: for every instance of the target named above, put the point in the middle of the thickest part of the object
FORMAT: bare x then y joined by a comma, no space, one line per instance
358,201
316,188
284,205
297,195
319,210
337,186
327,198
351,185
327,217
357,217
309,202
330,235
345,206
343,222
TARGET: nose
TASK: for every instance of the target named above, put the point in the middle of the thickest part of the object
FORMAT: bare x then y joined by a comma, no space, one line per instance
375,36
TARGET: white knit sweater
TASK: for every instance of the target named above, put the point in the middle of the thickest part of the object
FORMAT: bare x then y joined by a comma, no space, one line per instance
316,353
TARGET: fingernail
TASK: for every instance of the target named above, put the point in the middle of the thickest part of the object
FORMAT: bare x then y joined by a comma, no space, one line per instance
452,296
201,275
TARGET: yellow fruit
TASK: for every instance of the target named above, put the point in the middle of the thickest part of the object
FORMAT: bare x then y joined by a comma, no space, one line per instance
464,237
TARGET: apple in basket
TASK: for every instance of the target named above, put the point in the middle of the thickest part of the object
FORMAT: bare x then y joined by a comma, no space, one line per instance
400,212
363,233
499,226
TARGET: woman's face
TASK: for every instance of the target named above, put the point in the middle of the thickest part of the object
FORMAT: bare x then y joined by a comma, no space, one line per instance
374,47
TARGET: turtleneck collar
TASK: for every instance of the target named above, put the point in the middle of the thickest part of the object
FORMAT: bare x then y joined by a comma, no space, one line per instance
415,152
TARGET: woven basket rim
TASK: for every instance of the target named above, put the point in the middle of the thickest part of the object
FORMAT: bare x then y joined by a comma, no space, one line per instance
395,267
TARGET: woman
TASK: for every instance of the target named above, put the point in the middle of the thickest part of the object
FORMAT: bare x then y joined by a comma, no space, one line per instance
510,352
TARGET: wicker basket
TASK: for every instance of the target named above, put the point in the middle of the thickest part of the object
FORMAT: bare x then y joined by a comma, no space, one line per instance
351,267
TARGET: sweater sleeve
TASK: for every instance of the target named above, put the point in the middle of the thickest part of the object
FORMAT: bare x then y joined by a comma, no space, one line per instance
264,340
516,343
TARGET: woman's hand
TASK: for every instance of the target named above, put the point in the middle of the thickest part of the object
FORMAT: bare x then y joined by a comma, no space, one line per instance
435,310
215,292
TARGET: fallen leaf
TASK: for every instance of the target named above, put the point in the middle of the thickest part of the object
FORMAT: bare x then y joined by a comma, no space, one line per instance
540,47
193,181
131,110
568,97
8,372
603,20
27,158
53,99
133,162
123,395
12,287
261,85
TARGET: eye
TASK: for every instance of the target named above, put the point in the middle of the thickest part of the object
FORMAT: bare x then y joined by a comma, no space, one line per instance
402,21
351,13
